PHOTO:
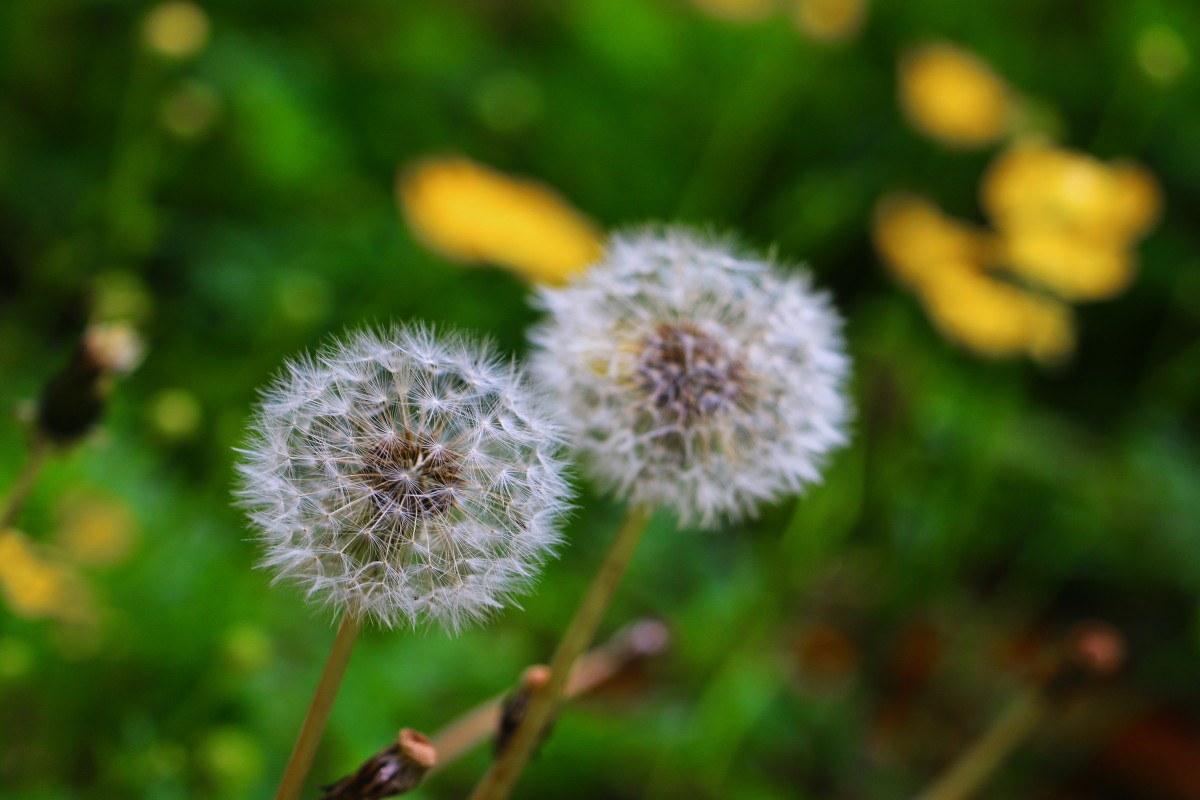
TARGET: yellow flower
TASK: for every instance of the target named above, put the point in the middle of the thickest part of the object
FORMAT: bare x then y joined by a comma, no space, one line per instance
36,587
471,213
953,96
1036,183
736,10
1073,266
1068,221
829,20
96,530
915,238
996,319
176,29
1162,53
946,261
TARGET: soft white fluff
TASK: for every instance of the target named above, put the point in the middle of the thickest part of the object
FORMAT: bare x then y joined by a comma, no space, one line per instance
405,477
694,376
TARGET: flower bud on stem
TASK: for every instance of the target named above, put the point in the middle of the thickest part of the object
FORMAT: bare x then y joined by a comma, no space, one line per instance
318,712
506,770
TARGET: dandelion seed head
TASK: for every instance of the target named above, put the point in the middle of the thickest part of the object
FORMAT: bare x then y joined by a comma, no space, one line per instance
694,376
404,477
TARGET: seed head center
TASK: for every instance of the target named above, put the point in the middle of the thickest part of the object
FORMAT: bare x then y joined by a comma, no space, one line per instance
686,374
411,477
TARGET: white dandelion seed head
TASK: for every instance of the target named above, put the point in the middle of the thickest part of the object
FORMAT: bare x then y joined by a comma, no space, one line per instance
404,477
693,376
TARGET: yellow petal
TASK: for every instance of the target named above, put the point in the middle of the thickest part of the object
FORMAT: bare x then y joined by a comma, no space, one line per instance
470,213
1068,221
995,319
1035,184
736,10
96,530
176,29
34,586
953,96
1075,267
1138,200
915,238
829,20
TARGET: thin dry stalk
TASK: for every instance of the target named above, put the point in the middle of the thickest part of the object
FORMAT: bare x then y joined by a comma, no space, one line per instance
39,449
313,728
506,770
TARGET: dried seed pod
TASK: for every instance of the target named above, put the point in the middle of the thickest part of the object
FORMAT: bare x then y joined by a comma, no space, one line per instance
390,772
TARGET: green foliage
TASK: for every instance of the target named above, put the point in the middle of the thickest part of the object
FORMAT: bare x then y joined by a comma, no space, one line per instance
984,500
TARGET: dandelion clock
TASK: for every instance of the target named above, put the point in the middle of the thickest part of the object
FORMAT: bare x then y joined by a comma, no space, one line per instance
403,478
693,377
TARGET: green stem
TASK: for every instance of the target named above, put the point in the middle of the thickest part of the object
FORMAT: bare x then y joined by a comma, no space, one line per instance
975,766
498,783
318,712
38,450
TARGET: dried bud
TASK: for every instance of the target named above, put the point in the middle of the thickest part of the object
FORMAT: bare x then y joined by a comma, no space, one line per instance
74,399
1093,650
515,706
389,772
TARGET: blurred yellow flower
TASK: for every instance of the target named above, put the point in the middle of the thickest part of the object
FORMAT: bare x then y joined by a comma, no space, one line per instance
915,238
1162,53
953,96
471,213
190,110
946,263
829,20
35,586
996,319
737,10
1067,221
96,530
176,29
1075,267
176,413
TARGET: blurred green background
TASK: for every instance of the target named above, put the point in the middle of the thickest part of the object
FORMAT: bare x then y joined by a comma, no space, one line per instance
236,203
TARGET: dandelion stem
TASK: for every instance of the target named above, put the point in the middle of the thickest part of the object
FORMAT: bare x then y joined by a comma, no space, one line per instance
977,764
318,712
38,450
500,779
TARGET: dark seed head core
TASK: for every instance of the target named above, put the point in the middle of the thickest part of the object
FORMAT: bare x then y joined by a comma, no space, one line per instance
686,374
412,478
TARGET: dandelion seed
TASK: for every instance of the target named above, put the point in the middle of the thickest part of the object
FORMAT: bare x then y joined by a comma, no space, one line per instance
695,377
404,477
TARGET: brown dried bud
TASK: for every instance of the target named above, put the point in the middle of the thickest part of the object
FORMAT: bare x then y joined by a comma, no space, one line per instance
73,400
1093,650
389,772
515,706
1098,646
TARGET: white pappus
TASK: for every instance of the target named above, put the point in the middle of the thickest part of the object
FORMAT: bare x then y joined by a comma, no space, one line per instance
694,376
404,476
